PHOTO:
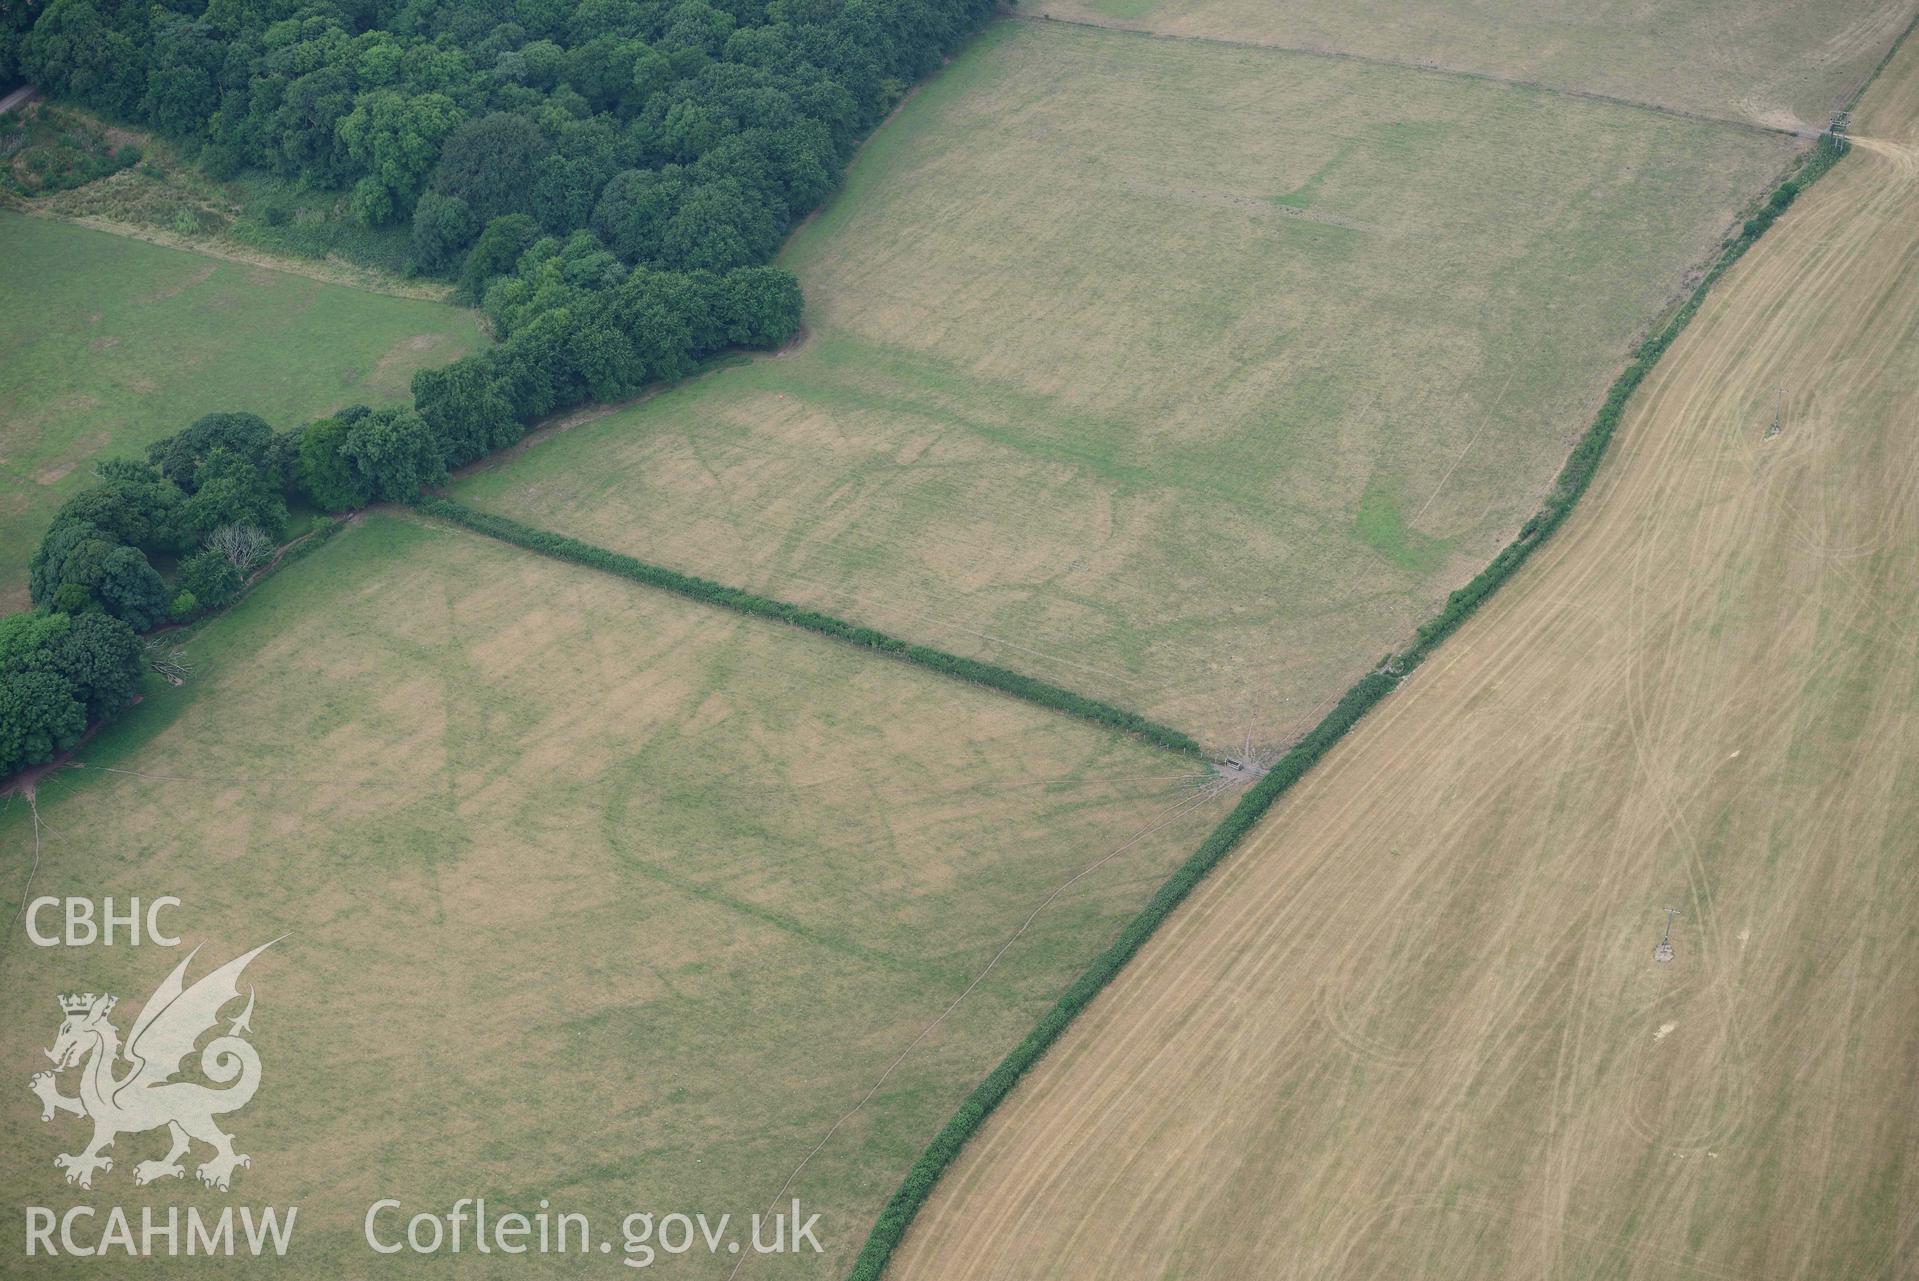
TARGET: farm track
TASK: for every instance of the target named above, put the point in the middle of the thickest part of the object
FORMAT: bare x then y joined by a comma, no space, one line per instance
1414,1027
1427,68
329,271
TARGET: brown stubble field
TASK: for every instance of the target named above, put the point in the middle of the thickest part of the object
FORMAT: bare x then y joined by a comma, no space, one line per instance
1415,1026
1785,65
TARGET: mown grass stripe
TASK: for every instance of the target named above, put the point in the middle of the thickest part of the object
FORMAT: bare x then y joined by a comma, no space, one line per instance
1573,480
560,547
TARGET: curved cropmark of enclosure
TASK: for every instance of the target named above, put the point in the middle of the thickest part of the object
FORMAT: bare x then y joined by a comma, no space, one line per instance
1415,1026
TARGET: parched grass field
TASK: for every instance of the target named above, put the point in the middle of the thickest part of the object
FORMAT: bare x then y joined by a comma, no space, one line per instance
593,895
1187,376
1415,1027
1786,64
107,343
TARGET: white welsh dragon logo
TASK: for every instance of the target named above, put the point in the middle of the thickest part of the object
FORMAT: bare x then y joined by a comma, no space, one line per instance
146,1097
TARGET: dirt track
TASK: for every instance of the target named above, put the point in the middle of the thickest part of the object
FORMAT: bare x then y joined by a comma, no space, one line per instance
1415,1027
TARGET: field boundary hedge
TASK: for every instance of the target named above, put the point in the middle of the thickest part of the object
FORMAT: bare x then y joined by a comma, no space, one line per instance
1006,681
1583,464
1572,482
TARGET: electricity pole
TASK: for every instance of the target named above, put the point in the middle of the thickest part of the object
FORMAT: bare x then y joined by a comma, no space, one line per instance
1663,953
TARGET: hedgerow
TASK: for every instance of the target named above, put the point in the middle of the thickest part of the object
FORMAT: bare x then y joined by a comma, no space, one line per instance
611,179
560,547
890,1229
1583,464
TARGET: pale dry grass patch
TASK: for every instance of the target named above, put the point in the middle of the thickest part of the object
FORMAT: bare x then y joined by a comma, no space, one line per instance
1186,376
593,894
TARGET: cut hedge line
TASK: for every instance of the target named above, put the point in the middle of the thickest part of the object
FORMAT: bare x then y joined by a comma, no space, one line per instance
1583,464
560,547
1368,691
989,1093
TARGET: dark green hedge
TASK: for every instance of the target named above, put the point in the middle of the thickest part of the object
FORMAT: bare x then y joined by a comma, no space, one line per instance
989,1093
561,547
1583,464
1573,479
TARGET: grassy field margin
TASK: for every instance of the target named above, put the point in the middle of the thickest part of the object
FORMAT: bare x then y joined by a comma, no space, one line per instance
560,547
1573,480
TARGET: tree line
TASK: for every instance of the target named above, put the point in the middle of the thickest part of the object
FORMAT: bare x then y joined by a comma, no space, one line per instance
171,536
607,179
684,134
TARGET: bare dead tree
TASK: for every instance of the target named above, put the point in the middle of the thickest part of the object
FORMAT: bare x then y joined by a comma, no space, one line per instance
243,545
173,664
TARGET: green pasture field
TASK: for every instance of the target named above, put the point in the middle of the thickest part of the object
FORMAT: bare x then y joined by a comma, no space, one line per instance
1188,376
1787,64
107,343
591,894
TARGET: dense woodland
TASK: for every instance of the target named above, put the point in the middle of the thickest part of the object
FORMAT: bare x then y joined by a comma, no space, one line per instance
685,135
606,179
